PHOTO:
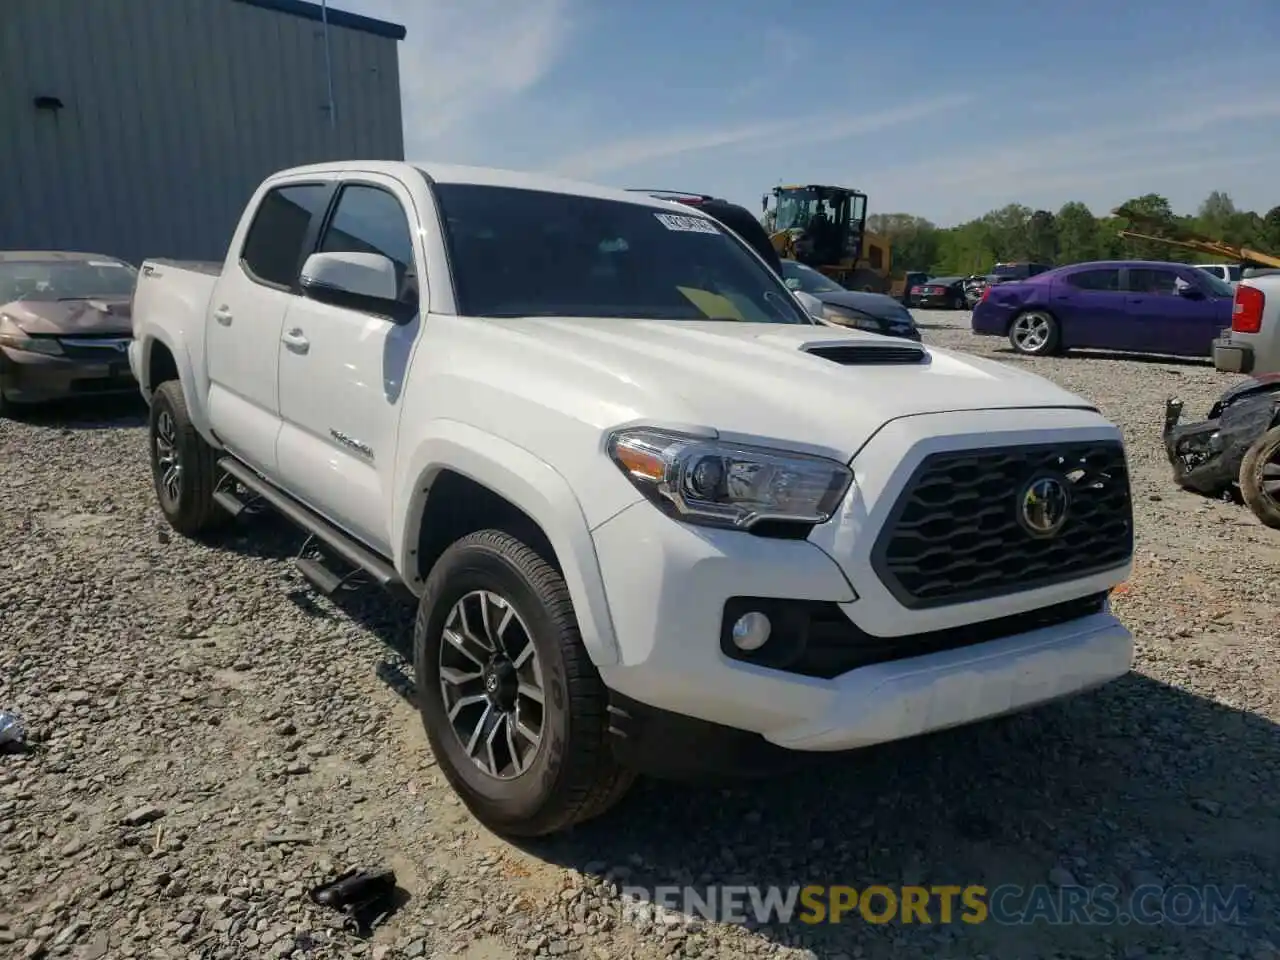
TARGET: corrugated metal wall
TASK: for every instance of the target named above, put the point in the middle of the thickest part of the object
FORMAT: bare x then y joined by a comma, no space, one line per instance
174,110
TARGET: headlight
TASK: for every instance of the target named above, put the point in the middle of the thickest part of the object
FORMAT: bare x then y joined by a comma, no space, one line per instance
721,484
850,318
13,337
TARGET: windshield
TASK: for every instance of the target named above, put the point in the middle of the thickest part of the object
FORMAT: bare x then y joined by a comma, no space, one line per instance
809,280
46,280
530,253
1216,285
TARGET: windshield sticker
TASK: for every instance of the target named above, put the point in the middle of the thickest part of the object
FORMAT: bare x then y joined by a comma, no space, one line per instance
681,224
106,263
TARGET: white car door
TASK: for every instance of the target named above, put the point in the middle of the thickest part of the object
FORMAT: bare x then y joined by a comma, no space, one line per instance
342,369
246,312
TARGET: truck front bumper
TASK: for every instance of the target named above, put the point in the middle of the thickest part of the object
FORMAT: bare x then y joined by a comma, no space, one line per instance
674,592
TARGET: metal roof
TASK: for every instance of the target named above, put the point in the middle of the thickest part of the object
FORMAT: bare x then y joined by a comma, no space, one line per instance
338,18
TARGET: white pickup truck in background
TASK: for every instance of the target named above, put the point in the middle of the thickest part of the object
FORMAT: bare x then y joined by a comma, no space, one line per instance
1252,343
654,517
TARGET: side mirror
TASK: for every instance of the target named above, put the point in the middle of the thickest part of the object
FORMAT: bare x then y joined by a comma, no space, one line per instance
792,283
362,281
1190,292
812,305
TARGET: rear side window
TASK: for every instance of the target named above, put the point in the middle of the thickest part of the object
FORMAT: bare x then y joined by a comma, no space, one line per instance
273,247
1104,279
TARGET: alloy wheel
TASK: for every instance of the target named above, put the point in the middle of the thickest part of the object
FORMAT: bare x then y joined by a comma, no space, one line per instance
168,460
1031,332
491,684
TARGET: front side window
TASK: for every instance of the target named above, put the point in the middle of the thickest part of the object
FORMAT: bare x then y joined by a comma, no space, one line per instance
370,220
529,253
273,245
1103,280
1159,282
46,280
1215,284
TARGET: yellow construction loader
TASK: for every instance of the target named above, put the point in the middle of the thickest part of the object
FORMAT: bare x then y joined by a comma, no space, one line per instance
824,227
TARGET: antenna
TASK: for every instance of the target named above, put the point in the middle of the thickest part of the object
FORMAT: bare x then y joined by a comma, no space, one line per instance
328,64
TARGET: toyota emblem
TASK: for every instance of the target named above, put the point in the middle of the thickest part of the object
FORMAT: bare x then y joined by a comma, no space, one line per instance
1043,506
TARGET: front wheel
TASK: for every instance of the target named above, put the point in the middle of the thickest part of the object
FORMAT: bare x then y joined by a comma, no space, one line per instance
1260,478
1035,333
513,708
183,465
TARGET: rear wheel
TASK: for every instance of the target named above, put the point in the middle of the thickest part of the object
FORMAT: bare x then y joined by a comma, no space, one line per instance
1034,333
183,466
1260,478
515,711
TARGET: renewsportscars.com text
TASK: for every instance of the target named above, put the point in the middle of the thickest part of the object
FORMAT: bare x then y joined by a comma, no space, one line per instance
1008,904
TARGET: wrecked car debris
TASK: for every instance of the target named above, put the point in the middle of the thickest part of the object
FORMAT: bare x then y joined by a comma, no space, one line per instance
366,897
1209,456
13,734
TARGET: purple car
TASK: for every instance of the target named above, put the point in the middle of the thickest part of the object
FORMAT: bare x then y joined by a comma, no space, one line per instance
1133,305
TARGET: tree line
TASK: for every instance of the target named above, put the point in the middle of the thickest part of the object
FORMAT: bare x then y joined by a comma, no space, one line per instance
1073,234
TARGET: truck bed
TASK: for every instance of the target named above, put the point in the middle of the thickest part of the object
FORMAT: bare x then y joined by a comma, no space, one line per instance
211,267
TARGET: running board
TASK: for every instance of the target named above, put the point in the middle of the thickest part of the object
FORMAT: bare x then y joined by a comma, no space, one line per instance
318,575
229,502
340,543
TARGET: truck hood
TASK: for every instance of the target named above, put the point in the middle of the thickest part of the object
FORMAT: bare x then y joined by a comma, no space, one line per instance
104,315
759,380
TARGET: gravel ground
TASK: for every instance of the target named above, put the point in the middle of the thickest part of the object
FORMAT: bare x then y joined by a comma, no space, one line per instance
213,738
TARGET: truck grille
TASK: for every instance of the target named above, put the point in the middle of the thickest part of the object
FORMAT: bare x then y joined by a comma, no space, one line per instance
955,533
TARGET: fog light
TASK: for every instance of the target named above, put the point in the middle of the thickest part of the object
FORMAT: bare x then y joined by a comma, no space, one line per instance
751,630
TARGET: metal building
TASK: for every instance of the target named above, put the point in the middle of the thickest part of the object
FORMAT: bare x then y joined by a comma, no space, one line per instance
140,128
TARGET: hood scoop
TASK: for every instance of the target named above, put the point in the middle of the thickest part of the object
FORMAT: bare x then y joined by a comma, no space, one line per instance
865,354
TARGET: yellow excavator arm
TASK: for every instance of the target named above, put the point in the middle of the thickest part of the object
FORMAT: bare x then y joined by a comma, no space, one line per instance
1175,235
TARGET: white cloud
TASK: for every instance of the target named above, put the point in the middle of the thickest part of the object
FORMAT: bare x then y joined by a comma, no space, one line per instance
462,59
802,132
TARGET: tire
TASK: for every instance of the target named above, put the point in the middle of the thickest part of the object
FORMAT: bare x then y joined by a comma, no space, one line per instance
1035,333
1260,478
524,789
187,502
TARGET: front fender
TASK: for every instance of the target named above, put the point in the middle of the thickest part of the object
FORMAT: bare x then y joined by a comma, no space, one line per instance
524,481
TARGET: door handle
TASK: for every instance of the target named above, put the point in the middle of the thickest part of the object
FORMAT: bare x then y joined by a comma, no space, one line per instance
295,341
223,315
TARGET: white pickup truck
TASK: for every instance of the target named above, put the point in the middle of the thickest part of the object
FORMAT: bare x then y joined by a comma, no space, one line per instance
654,516
1252,343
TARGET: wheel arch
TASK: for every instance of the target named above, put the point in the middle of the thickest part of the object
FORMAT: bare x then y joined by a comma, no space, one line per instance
163,360
459,476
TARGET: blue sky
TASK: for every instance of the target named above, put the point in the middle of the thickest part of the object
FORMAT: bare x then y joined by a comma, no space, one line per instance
937,108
